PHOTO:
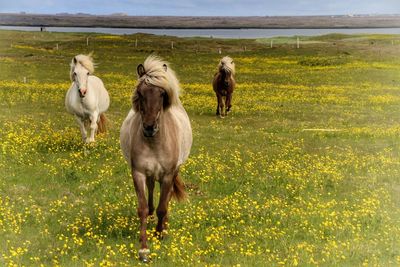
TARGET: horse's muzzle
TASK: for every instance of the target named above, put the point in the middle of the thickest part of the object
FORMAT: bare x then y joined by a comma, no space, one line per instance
150,131
82,92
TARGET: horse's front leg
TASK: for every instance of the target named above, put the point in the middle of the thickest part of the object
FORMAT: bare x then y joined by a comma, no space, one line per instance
150,188
165,196
218,101
81,127
220,109
222,106
139,181
94,117
228,102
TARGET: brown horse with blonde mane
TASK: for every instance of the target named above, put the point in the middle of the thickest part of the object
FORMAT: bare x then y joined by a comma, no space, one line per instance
223,85
156,138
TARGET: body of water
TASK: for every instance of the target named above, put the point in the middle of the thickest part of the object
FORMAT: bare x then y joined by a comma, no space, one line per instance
215,33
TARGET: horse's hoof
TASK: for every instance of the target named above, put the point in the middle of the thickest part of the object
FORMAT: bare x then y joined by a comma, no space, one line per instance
144,255
158,235
151,218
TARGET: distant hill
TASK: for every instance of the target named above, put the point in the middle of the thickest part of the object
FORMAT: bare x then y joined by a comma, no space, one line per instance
170,22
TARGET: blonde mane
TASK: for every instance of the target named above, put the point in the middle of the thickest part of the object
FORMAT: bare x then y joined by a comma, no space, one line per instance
159,73
227,64
85,60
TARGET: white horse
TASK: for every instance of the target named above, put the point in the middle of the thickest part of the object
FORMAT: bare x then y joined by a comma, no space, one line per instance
87,98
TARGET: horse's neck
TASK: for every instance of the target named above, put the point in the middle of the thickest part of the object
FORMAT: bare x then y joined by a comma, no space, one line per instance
233,82
225,76
222,75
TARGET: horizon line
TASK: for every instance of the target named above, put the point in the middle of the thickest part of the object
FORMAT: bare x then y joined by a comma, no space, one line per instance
123,14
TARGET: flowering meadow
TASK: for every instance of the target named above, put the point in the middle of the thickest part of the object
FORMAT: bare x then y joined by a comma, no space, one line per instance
305,170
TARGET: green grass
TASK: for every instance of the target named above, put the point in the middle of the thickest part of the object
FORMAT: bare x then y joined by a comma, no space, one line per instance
304,171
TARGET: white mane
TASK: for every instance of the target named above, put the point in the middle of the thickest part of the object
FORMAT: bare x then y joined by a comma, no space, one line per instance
158,73
227,64
85,60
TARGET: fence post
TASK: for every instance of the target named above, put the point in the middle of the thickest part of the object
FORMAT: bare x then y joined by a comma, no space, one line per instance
219,51
136,43
272,42
87,41
172,44
298,42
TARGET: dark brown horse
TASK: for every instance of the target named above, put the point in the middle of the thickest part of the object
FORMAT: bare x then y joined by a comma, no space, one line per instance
156,138
223,85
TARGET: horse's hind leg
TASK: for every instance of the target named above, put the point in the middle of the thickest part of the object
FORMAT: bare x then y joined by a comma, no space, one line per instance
93,126
139,181
82,127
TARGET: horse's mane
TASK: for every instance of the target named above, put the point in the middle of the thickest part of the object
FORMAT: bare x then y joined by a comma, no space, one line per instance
227,64
85,60
159,73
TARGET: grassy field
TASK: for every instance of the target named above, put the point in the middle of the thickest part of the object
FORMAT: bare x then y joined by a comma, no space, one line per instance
304,172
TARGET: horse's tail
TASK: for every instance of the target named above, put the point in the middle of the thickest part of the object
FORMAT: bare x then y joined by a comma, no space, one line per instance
102,124
178,188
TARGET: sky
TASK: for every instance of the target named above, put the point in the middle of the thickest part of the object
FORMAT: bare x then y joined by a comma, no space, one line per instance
203,7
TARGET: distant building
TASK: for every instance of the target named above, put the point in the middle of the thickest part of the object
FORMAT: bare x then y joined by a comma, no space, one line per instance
83,14
119,14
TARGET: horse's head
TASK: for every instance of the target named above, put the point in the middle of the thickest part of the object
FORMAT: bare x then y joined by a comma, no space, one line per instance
227,69
81,68
150,100
225,77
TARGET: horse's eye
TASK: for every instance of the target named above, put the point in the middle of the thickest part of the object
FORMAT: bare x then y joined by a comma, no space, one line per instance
74,73
88,73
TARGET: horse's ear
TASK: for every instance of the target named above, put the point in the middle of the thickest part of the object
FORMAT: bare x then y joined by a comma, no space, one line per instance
165,67
140,70
75,61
